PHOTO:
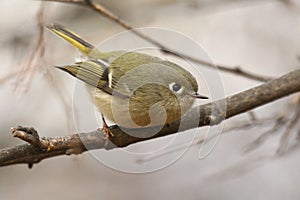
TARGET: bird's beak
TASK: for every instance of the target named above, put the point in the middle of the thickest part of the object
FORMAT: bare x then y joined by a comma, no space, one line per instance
199,96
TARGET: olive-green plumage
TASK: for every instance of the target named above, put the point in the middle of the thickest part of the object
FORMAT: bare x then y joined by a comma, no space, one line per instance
129,88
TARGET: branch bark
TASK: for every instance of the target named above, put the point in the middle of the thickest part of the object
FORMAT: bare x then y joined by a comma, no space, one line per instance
211,114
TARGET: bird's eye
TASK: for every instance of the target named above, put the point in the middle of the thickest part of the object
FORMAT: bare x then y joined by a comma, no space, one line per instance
175,87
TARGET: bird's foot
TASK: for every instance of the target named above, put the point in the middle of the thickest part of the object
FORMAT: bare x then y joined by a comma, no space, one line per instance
107,133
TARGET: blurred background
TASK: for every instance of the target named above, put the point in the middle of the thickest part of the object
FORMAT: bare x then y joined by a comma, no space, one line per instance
260,36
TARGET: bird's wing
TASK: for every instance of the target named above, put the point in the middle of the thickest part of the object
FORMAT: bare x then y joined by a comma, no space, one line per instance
91,72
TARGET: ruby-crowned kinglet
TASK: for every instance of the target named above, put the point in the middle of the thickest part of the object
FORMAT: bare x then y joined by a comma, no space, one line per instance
132,89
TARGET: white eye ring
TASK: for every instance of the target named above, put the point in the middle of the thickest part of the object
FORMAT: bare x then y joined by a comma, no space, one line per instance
175,87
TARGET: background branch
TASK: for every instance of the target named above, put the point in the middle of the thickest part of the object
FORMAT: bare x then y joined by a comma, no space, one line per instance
100,9
210,114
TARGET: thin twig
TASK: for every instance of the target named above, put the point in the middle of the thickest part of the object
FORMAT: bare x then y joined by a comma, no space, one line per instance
35,62
8,77
100,9
279,122
252,116
285,137
35,57
246,165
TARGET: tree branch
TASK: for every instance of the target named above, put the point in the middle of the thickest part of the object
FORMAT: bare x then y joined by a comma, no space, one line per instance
100,9
210,114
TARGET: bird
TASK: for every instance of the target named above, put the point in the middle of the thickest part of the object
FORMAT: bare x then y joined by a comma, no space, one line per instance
131,89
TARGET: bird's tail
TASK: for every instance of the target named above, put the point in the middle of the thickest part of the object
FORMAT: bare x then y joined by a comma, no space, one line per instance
82,45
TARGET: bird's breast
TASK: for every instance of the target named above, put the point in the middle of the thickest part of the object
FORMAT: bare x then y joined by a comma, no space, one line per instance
140,110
